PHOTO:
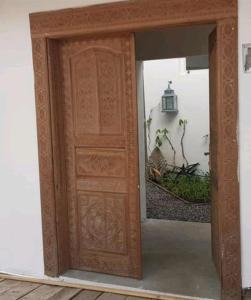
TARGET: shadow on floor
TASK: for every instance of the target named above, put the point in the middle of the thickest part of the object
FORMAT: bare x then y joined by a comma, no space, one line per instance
176,259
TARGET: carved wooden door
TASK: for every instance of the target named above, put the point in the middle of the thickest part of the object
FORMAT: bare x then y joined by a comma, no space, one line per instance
214,164
101,153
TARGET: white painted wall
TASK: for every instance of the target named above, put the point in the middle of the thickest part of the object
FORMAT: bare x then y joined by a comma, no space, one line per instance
20,214
141,137
20,221
193,103
245,142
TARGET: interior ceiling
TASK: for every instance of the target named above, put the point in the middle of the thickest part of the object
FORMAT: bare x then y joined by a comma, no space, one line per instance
173,42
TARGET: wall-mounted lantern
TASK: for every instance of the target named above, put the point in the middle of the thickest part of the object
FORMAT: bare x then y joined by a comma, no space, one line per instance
169,100
247,58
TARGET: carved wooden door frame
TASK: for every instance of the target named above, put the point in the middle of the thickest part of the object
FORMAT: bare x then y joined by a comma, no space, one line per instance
132,16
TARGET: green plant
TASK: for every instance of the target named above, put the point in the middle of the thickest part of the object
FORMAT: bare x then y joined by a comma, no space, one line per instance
191,188
148,125
206,137
189,170
161,135
183,124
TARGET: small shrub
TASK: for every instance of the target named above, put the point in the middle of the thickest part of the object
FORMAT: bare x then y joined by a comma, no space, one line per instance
191,188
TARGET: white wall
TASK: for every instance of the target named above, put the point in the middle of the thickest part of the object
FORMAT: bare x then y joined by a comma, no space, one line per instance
245,142
20,213
20,222
141,135
193,103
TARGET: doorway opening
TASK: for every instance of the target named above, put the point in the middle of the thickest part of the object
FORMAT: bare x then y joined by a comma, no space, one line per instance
174,141
176,232
177,175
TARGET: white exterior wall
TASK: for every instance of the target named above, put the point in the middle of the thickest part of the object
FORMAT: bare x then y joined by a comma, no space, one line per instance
20,221
193,104
245,142
20,214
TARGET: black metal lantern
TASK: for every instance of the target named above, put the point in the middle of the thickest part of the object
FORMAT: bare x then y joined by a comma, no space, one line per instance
248,60
169,100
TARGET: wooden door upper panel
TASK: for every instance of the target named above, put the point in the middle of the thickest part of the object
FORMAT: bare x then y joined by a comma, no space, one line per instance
97,71
96,87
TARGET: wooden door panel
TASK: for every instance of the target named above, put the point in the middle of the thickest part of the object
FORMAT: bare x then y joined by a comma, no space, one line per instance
84,93
100,134
116,185
214,150
102,222
101,162
110,66
97,86
101,141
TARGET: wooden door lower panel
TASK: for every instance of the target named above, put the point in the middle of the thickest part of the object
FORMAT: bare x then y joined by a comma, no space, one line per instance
103,232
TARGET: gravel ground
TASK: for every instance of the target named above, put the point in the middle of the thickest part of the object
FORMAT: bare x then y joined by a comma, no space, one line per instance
161,205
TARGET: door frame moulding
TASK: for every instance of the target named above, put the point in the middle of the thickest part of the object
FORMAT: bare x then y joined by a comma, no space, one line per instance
132,16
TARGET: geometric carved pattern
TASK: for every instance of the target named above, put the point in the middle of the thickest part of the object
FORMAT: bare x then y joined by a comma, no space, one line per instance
103,163
102,222
85,97
45,157
109,69
228,170
102,184
96,88
131,16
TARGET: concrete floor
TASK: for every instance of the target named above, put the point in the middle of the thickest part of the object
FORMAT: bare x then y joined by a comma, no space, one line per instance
247,294
176,259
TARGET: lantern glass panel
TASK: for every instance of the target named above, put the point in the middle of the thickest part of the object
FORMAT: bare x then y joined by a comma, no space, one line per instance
169,100
164,105
170,103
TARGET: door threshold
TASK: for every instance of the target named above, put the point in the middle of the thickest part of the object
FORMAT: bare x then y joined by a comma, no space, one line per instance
101,287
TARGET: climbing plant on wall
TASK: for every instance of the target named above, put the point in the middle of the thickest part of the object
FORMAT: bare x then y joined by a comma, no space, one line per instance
183,124
161,135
